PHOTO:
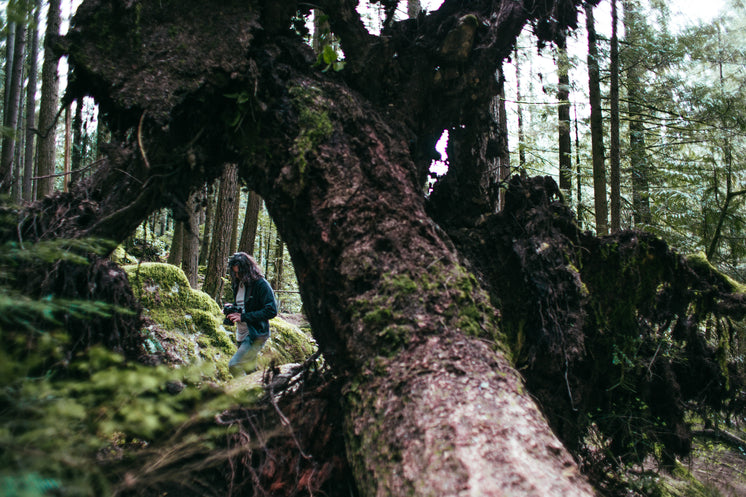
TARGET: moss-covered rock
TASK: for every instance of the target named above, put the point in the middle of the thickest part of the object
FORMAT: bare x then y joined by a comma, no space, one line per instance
188,323
121,256
287,344
189,320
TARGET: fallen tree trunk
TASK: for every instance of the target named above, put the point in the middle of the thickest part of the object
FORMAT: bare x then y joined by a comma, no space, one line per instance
432,403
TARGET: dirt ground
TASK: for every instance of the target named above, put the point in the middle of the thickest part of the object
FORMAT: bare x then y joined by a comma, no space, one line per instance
720,467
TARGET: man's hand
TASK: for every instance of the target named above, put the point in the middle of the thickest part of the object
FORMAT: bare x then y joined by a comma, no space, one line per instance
235,317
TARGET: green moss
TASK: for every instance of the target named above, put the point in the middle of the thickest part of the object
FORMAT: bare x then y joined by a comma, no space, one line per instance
463,304
313,121
120,256
287,344
193,320
378,317
403,284
699,261
393,338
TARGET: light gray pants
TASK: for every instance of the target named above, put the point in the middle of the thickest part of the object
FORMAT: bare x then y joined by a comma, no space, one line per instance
244,360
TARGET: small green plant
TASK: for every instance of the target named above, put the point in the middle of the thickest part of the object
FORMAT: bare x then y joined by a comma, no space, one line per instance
329,59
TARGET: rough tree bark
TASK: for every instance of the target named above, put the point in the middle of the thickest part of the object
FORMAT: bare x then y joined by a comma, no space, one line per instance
234,227
204,247
597,129
278,262
220,246
614,153
11,114
432,402
190,236
176,250
563,116
250,222
45,155
28,158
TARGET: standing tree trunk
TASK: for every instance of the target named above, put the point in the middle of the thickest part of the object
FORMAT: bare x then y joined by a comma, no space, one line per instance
563,117
597,128
250,223
614,159
28,159
204,249
413,8
639,168
10,40
18,154
496,148
234,226
278,262
67,158
10,117
578,172
48,109
519,105
504,153
190,237
78,146
177,244
228,197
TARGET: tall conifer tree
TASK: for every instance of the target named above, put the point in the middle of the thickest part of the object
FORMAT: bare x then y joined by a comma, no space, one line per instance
597,137
48,108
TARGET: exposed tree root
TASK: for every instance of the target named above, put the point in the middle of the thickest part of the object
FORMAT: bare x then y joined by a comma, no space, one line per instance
617,336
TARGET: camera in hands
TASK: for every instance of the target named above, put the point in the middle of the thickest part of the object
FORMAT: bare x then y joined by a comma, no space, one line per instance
230,309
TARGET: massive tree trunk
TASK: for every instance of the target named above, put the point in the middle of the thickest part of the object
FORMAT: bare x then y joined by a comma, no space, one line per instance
433,405
395,309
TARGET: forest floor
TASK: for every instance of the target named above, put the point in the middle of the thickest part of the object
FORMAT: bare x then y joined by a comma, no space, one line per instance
719,466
